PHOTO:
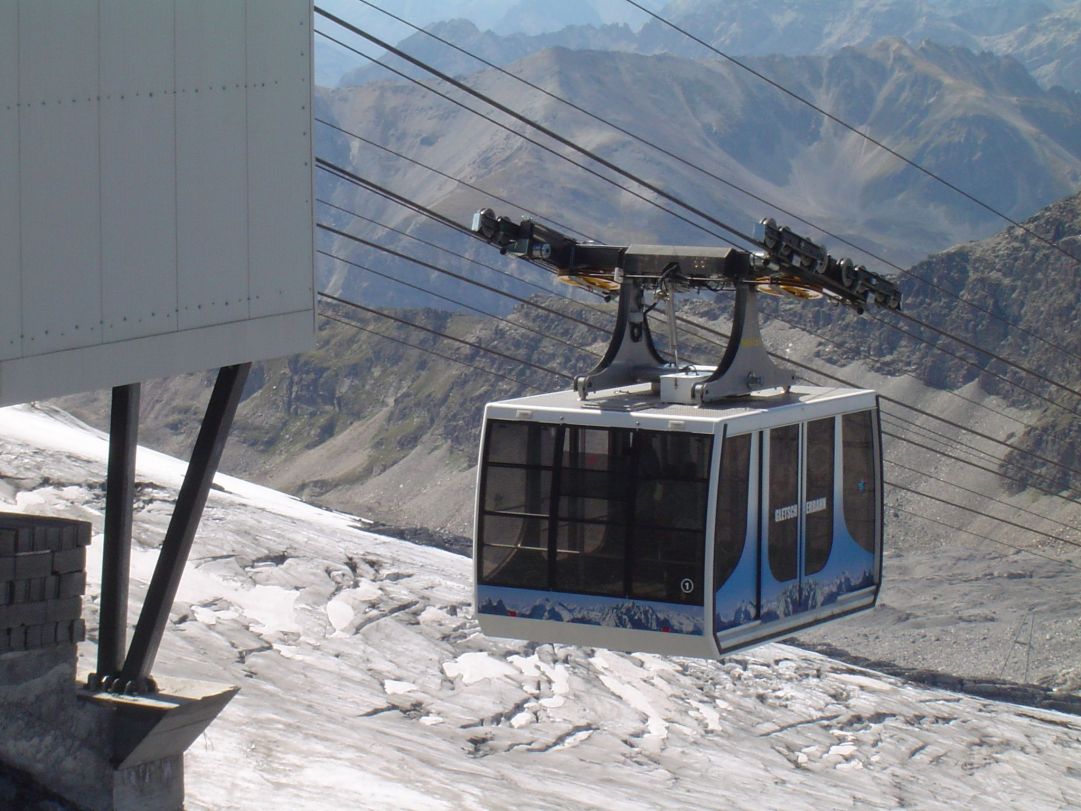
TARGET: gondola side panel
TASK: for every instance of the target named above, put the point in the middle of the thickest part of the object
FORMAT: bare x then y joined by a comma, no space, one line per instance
143,229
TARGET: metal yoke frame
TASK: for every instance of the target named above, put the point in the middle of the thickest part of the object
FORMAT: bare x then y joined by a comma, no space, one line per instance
632,357
788,263
130,673
746,366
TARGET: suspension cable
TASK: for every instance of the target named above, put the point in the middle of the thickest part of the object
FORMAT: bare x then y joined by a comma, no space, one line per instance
540,128
462,341
354,325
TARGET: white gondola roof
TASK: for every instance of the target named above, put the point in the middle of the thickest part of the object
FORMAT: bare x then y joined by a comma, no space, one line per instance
639,405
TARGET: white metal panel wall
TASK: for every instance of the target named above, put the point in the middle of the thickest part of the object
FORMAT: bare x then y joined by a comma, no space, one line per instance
138,171
283,91
10,281
58,189
155,180
212,190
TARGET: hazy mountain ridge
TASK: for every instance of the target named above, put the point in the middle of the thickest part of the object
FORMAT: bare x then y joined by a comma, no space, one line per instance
500,49
1044,37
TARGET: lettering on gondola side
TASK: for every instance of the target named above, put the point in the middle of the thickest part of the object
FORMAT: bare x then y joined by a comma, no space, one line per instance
785,513
792,510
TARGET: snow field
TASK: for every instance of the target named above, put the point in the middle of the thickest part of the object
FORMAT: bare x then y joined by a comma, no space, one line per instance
366,684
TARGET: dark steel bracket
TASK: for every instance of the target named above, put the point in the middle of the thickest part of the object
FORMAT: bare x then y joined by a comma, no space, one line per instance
134,675
631,356
746,366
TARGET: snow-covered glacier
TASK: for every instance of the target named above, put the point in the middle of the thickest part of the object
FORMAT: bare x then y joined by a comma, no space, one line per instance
365,683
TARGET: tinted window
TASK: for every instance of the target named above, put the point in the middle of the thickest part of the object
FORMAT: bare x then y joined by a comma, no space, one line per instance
518,490
681,505
731,527
597,449
674,456
590,495
601,511
668,535
520,443
594,503
515,552
514,526
667,565
590,558
783,519
818,506
860,478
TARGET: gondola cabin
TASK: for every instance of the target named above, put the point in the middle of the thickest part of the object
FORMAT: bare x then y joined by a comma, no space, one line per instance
626,522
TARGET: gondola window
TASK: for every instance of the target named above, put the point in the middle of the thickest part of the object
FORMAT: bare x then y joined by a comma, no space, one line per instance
860,477
516,504
616,512
730,533
818,507
670,516
783,524
593,510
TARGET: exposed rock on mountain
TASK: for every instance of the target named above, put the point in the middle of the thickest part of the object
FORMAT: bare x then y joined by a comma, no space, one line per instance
1050,47
1018,296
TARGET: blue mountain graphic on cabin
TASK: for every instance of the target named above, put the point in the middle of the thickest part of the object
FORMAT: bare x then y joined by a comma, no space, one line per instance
814,593
638,615
741,614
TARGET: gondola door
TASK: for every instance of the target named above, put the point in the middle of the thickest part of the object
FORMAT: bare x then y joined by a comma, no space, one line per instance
816,546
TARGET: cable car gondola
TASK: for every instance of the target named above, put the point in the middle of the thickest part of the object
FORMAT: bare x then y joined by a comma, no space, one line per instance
671,508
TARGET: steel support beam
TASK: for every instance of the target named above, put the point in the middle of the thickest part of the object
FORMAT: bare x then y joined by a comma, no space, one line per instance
631,357
135,676
746,366
116,554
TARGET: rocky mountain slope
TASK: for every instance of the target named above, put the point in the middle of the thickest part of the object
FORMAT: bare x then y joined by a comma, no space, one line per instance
975,119
1021,288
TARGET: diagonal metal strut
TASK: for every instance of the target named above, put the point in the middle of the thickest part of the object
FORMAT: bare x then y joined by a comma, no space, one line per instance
205,457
